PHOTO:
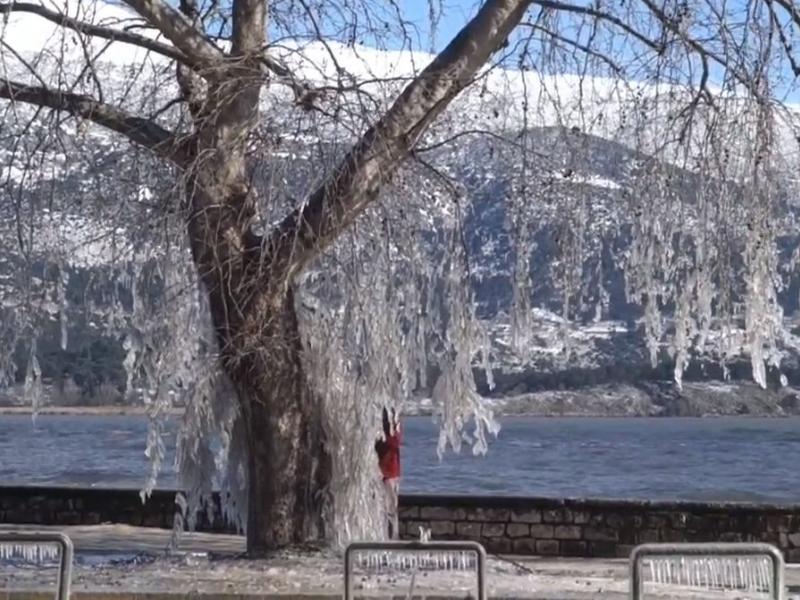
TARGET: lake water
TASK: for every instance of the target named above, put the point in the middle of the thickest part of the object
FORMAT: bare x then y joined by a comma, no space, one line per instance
690,459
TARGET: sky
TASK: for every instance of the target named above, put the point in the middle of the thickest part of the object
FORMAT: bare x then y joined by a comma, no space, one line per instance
452,15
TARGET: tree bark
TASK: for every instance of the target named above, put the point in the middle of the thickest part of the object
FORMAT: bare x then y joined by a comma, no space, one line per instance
288,462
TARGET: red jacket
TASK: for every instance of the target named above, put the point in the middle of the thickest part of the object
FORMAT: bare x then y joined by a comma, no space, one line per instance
389,456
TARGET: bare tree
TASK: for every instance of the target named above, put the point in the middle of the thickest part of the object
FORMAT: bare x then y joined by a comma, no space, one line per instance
247,276
673,81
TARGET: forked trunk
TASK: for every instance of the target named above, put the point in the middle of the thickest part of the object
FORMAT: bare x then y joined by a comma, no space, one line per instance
288,462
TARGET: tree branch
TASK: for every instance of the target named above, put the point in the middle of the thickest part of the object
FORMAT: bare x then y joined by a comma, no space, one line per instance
787,46
284,74
598,14
356,182
115,35
200,52
141,131
699,48
790,7
577,45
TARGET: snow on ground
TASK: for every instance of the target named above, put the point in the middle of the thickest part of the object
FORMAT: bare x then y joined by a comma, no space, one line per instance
116,558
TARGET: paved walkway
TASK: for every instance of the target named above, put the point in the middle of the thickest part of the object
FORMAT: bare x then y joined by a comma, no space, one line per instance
123,562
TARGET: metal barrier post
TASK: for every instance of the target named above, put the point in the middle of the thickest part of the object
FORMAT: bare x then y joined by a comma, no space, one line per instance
475,547
59,539
706,549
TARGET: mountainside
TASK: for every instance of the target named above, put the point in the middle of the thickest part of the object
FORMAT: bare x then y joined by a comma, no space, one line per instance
95,194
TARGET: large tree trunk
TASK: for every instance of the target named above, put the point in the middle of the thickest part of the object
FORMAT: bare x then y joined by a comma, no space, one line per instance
261,350
288,462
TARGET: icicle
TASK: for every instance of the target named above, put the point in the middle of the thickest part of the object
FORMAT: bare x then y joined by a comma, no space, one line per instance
62,285
33,382
30,552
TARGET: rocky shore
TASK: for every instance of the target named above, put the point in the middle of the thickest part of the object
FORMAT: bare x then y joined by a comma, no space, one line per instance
645,399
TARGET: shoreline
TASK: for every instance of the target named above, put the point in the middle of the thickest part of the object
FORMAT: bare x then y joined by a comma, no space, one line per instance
141,411
110,410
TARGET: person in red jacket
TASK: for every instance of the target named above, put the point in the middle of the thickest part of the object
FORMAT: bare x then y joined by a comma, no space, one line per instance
388,449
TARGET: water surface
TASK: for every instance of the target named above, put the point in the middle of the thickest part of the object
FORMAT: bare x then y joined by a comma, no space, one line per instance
690,459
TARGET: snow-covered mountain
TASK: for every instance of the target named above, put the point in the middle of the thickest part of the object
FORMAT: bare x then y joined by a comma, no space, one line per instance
585,142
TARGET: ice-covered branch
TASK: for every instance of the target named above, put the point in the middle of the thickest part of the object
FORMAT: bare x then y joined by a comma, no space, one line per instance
199,51
141,131
357,180
91,29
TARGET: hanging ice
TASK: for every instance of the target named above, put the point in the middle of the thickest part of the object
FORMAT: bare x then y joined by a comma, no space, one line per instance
30,552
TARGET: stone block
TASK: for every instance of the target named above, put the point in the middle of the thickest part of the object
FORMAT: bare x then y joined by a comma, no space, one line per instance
618,521
678,520
524,546
25,516
672,536
794,539
439,528
38,501
152,520
555,515
128,517
625,550
442,513
573,548
542,531
648,536
527,516
597,519
602,549
408,512
598,534
567,532
518,530
691,535
493,530
793,555
699,523
412,527
498,545
627,534
547,547
657,521
469,530
752,521
777,523
580,517
70,518
492,515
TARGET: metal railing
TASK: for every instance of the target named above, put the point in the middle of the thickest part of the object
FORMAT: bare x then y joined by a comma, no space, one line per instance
421,555
713,566
15,542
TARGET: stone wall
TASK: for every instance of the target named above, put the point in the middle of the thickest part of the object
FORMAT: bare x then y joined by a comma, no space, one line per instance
80,506
597,528
581,528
